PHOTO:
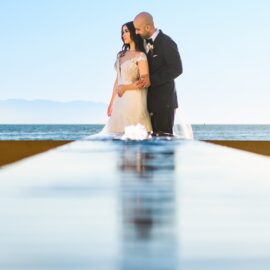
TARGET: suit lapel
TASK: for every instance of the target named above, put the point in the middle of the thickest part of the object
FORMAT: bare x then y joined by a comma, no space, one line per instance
155,44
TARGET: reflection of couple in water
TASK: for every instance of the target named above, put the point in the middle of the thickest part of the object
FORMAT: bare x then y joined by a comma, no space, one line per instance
148,205
144,90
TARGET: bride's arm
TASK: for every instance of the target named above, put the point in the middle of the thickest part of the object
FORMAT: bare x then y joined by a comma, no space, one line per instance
144,75
144,81
114,93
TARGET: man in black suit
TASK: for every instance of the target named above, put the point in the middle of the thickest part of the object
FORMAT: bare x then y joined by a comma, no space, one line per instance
164,66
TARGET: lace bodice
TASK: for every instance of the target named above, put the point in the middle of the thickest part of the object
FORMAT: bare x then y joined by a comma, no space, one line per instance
131,107
127,67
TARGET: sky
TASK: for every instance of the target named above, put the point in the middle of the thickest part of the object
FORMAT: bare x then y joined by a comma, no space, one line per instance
65,50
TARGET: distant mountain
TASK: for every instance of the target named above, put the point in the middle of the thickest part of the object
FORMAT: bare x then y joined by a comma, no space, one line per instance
19,111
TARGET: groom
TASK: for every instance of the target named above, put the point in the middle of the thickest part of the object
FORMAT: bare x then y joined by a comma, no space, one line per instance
164,66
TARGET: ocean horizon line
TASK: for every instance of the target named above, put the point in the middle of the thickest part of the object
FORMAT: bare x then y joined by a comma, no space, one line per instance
208,124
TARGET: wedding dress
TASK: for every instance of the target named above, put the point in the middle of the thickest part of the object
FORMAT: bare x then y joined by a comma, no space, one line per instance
131,108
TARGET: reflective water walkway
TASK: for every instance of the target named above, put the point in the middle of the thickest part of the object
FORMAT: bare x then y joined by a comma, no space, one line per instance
136,205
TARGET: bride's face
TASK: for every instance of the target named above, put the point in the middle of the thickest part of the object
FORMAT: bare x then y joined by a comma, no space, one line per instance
126,35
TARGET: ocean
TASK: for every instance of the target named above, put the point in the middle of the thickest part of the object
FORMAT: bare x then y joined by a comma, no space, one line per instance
77,132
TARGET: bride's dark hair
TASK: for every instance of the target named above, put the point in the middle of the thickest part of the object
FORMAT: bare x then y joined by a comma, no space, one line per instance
136,38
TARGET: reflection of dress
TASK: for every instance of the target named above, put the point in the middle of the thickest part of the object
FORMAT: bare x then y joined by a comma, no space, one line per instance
131,108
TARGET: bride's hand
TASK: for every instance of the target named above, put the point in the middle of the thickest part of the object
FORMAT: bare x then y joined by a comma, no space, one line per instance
121,90
109,110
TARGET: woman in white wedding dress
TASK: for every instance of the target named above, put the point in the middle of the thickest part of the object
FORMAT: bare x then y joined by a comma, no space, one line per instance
128,105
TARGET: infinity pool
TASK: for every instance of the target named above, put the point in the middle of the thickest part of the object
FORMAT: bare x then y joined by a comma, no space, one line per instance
159,204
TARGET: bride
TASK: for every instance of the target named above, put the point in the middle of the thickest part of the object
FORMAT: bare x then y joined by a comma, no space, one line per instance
128,104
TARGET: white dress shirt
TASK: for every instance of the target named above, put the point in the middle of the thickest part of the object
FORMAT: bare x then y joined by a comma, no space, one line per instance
153,37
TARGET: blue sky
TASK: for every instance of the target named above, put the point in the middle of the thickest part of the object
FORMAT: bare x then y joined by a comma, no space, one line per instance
65,50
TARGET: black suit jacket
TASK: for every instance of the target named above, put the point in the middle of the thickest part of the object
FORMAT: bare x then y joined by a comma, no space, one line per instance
164,66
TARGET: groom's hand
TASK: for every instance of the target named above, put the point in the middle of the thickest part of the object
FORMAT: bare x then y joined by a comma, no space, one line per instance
140,84
143,82
121,90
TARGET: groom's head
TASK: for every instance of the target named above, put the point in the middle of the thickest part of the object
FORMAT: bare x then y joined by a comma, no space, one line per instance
144,25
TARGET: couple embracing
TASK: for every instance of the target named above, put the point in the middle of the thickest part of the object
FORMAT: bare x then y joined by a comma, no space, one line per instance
144,90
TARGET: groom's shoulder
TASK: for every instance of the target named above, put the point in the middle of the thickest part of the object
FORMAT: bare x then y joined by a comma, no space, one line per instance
166,39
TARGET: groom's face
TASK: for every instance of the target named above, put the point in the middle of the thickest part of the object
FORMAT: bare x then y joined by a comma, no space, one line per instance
141,29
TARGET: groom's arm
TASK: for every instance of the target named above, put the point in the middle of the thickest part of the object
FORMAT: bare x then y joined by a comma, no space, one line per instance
173,64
